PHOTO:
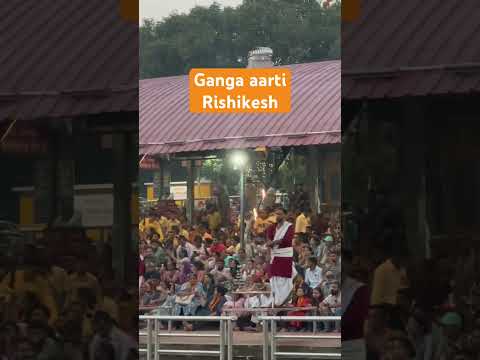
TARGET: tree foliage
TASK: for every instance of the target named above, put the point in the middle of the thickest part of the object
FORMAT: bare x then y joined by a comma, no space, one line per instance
297,30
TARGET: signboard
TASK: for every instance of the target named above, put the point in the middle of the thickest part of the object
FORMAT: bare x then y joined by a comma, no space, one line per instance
22,139
95,210
149,163
179,192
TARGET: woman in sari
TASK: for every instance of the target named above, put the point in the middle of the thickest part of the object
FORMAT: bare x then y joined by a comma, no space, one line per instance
185,271
170,275
209,287
166,302
188,299
301,301
248,271
199,269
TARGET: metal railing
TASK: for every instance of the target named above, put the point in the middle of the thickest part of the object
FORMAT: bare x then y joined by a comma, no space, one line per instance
168,311
270,338
225,334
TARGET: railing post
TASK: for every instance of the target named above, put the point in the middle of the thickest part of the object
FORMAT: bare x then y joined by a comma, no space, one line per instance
155,340
169,322
273,339
265,339
149,339
222,339
226,332
229,339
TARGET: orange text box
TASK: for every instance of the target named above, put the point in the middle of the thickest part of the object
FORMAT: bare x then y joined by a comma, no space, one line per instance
240,90
351,10
129,10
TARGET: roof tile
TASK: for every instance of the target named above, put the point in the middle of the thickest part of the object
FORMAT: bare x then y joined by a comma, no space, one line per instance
422,41
315,113
50,48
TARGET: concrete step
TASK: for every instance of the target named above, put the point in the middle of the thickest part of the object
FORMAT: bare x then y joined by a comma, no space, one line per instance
247,346
239,352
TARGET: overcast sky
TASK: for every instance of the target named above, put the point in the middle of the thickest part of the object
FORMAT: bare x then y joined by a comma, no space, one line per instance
158,9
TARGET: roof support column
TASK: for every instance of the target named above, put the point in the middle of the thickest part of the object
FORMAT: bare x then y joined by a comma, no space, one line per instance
161,188
164,186
190,203
122,189
44,183
315,161
65,173
414,188
158,184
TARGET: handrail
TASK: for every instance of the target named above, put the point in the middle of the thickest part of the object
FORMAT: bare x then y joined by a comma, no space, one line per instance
187,318
270,340
301,318
225,334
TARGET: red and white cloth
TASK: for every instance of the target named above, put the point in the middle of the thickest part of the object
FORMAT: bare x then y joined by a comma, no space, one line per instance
282,270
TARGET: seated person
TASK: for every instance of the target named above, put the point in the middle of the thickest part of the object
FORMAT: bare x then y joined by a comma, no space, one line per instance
218,301
243,318
301,300
188,299
332,305
154,294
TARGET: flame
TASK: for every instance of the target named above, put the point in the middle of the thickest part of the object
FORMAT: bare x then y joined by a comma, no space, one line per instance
264,194
255,214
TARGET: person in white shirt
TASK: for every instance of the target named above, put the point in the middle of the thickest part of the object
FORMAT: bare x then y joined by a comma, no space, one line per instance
185,246
258,301
332,306
107,335
266,301
313,274
197,247
333,302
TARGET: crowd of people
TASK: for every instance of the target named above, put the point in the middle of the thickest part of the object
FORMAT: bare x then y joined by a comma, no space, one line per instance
394,305
65,307
398,306
290,263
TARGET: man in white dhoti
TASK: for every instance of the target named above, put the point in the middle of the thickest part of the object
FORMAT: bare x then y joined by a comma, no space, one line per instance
282,270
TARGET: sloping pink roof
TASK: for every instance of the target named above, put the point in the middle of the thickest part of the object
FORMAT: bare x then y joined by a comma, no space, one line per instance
66,58
167,126
411,48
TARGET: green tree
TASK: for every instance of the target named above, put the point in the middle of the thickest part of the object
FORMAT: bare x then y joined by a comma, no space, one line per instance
297,30
213,169
292,171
